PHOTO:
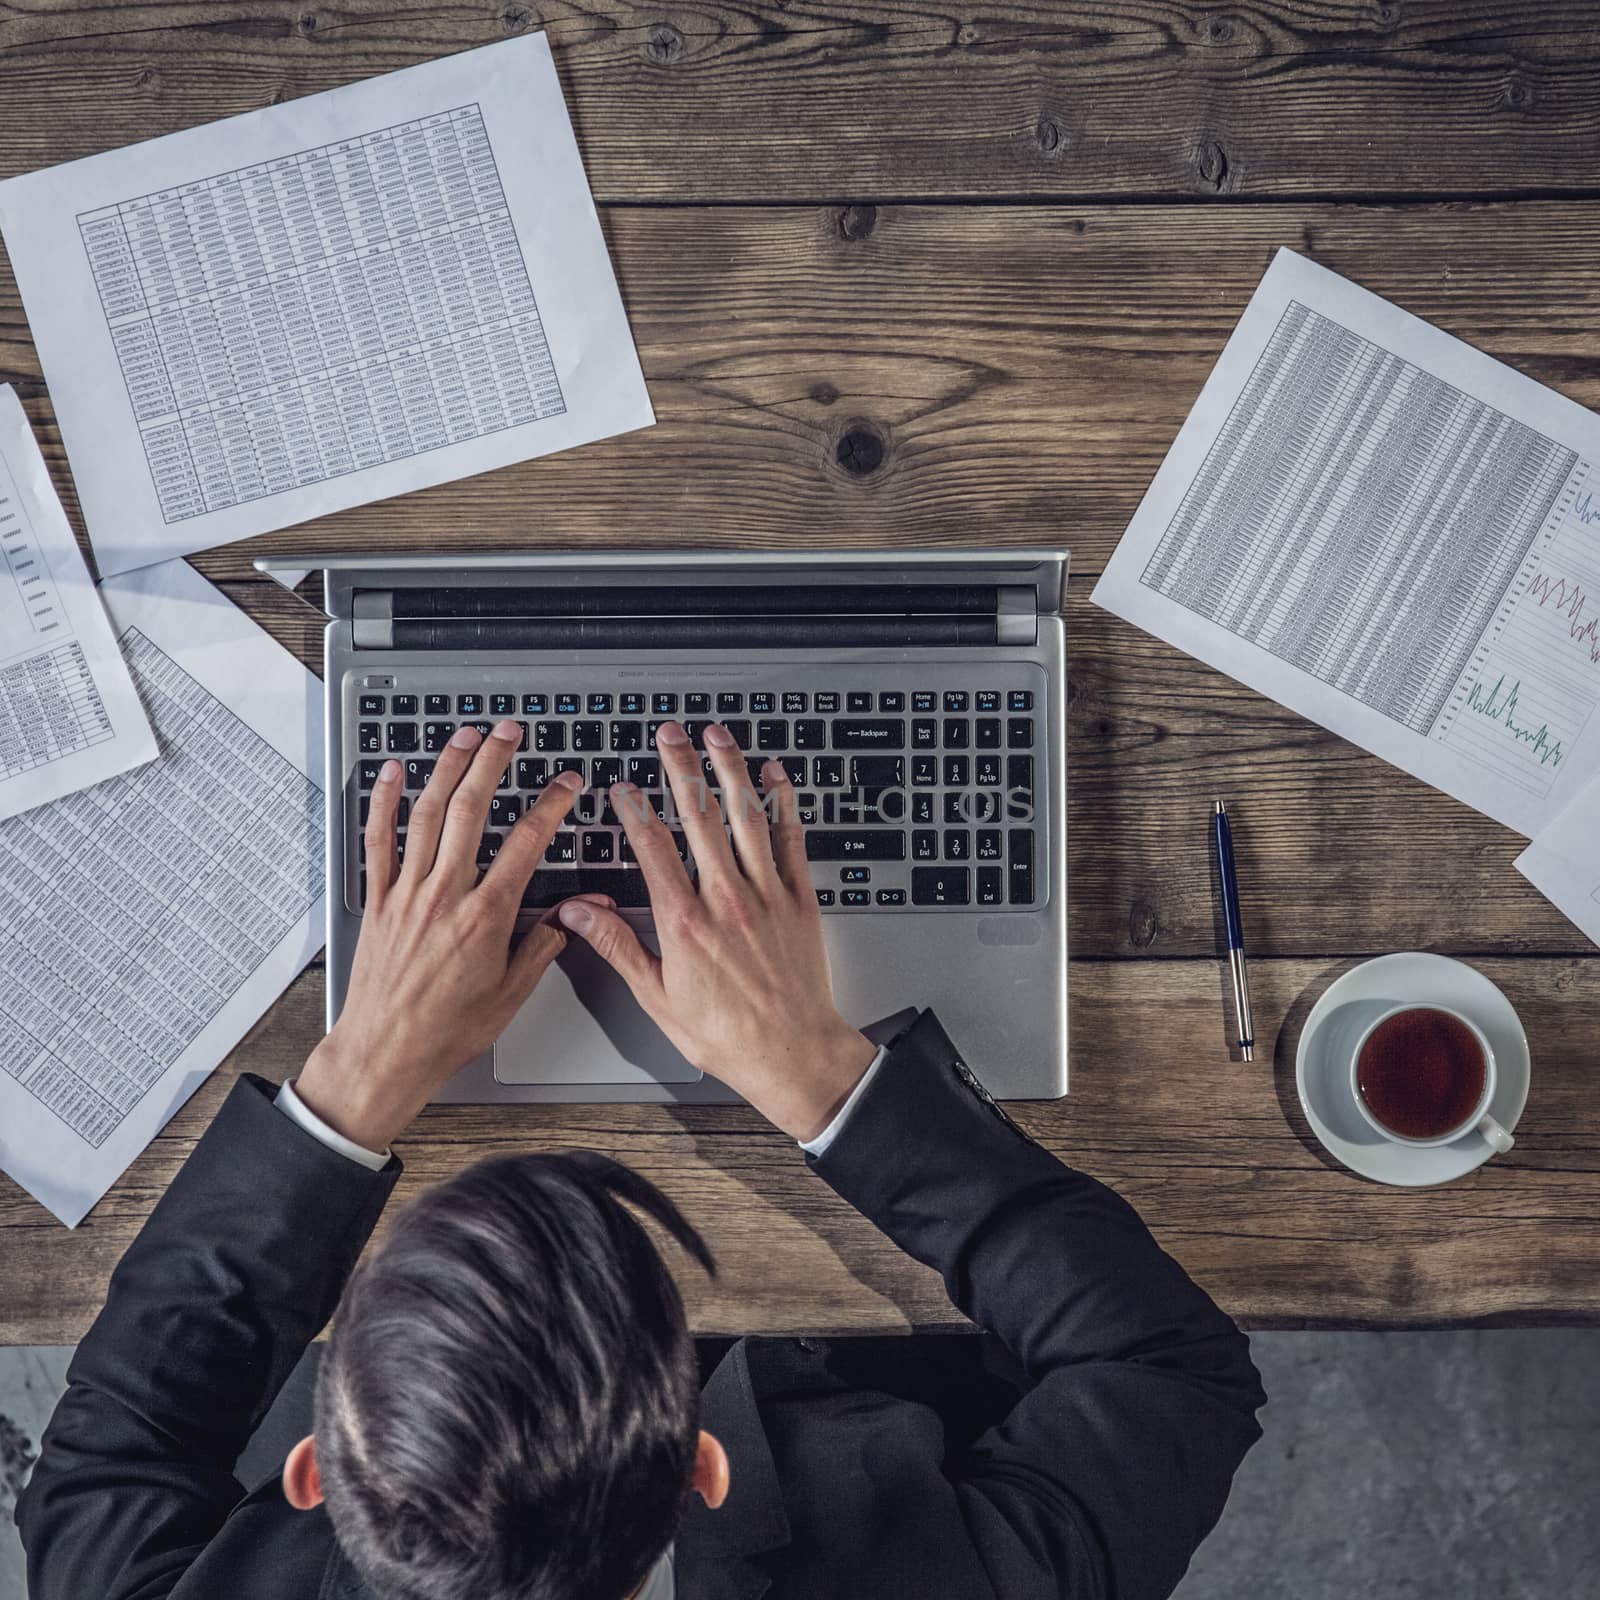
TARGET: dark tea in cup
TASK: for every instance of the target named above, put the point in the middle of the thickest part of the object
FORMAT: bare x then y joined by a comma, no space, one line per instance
1422,1073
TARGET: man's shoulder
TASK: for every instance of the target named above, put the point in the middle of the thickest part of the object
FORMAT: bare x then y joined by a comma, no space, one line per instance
267,1550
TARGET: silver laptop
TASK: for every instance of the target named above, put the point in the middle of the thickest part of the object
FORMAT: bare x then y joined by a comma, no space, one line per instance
918,699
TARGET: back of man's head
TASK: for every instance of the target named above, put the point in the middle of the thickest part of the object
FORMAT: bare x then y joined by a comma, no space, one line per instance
508,1407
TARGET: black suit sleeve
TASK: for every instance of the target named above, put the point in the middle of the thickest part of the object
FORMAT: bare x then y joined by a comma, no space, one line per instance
239,1266
1116,1462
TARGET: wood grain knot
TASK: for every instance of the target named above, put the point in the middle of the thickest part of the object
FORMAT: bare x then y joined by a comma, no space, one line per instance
1219,30
1211,163
1388,14
663,45
857,222
307,23
824,394
1519,96
514,18
861,450
1143,925
1052,141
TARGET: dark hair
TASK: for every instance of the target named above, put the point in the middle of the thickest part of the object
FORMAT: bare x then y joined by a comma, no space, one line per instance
508,1406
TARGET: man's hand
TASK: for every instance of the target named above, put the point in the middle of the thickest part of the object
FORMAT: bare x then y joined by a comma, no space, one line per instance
741,986
435,978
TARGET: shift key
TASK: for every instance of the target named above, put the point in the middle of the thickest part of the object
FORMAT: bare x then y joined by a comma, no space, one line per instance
868,844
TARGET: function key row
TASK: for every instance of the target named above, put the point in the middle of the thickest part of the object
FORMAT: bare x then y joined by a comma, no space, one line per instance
792,703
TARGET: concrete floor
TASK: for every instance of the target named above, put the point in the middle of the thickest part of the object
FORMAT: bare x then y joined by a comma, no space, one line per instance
1422,1466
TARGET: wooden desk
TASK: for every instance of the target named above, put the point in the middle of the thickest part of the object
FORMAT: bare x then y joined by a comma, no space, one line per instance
900,280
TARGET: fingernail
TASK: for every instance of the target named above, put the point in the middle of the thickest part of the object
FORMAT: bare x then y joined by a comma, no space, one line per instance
671,733
576,915
389,772
623,787
773,772
464,738
718,735
505,730
568,780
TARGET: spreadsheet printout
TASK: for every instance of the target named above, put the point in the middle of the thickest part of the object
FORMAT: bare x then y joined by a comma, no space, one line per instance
1563,862
69,714
148,921
1390,532
323,303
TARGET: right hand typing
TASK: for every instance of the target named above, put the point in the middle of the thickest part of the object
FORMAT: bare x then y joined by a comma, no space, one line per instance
741,986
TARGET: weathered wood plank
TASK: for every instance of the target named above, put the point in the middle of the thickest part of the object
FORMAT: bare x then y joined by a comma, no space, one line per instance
738,100
1327,835
1215,1153
1023,369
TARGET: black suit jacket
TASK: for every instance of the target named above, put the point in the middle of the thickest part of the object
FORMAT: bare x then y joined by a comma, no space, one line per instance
1138,1400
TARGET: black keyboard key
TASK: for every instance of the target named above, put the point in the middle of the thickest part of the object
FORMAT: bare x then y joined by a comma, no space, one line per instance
664,705
605,771
740,732
955,809
924,700
878,772
568,704
940,886
763,703
772,736
588,736
625,885
697,705
955,699
696,729
858,700
436,705
548,737
367,773
986,771
1019,733
729,704
482,727
645,771
794,769
855,897
986,700
986,733
924,771
795,704
1019,786
469,705
570,764
369,737
402,738
372,705
489,848
922,808
402,813
1019,864
988,844
957,844
879,733
855,806
891,897
880,845
599,848
436,735
599,705
957,731
504,811
924,845
989,886
824,897
564,847
892,700
631,705
924,734
827,703
535,705
532,773
502,705
827,772
957,770
806,805
626,736
586,808
418,771
810,735
1019,700
405,705
855,874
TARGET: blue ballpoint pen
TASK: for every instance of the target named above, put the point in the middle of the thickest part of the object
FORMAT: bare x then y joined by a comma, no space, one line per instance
1230,914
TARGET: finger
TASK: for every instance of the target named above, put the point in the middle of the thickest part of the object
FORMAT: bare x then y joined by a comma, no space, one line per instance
383,806
527,842
695,804
751,836
659,861
788,837
618,945
427,815
467,815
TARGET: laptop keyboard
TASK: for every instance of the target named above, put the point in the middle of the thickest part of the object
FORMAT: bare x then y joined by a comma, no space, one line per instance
913,798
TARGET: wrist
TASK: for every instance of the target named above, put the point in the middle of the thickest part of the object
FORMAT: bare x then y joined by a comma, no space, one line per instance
830,1078
341,1089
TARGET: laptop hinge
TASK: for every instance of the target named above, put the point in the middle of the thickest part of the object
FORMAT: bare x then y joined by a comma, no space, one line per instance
372,619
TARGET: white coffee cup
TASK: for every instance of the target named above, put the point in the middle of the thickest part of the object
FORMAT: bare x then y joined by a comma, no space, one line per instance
1478,1121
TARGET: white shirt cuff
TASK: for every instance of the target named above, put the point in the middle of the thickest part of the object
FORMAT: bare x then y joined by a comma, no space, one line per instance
296,1110
819,1145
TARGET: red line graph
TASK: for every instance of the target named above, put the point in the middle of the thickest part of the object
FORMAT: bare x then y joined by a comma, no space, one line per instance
1570,601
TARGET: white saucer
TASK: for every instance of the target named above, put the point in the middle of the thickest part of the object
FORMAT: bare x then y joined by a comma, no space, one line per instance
1324,1083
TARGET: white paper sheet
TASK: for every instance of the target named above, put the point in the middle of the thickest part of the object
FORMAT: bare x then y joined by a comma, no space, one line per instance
323,303
1391,533
146,923
68,712
1563,862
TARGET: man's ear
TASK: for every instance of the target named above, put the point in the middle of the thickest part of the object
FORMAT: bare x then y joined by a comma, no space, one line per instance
711,1471
302,1483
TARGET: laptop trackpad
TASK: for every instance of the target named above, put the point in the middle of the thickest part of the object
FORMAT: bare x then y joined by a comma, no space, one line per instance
584,1026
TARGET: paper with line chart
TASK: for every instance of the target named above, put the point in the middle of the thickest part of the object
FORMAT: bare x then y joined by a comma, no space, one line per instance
69,714
1391,533
1563,862
322,303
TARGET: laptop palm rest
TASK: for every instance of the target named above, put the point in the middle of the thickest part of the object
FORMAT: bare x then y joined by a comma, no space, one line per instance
584,1026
